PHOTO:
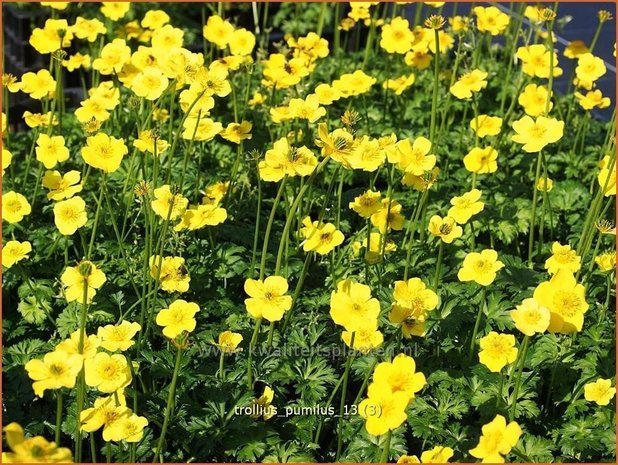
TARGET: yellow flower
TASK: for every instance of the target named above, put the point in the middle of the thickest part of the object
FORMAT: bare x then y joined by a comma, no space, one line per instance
400,375
147,142
355,83
262,406
155,19
34,120
129,428
497,440
481,160
56,34
70,215
32,450
6,159
606,261
497,351
104,152
178,317
62,187
77,61
199,216
267,298
438,454
337,144
486,125
445,228
396,37
575,48
107,373
592,99
534,99
366,336
9,81
259,99
51,150
15,251
544,184
530,317
326,94
70,346
383,409
218,31
88,28
601,391
565,299
373,253
149,83
167,205
39,85
459,24
608,185
113,56
418,59
536,61
589,68
283,159
408,459
14,207
491,20
351,305
85,278
413,157
115,10
55,371
400,84
92,108
228,342
469,83
563,258
388,217
106,412
242,42
308,108
118,337
412,302
466,206
535,135
171,272
237,132
480,267
367,155
367,203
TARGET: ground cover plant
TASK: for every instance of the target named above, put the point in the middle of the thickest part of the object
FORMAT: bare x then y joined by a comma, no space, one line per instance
359,232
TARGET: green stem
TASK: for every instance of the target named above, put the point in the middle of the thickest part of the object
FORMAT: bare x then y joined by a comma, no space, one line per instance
269,225
168,408
434,97
477,323
344,391
58,415
522,362
254,338
436,278
386,448
533,215
221,359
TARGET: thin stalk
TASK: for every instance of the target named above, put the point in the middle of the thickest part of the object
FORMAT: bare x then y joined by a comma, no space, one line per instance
522,361
168,408
344,391
477,323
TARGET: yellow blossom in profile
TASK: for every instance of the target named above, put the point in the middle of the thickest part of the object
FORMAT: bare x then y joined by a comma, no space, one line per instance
373,250
267,298
237,132
497,440
606,261
544,184
228,342
600,391
7,156
70,346
575,48
147,142
607,176
15,251
563,257
178,318
320,238
400,84
592,99
480,267
367,203
365,337
530,317
203,129
388,217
